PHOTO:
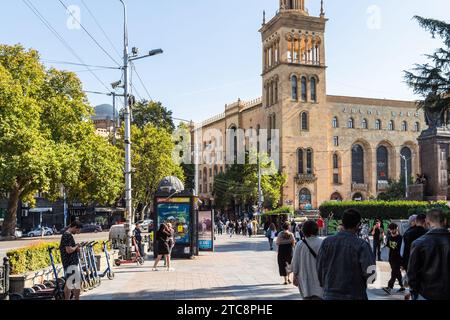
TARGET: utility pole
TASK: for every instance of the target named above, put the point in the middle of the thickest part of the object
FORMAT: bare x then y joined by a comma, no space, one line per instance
127,59
406,175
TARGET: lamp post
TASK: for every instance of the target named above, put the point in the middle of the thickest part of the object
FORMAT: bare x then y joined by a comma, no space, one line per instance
406,174
127,59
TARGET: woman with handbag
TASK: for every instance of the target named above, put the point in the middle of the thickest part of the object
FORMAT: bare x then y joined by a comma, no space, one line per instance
285,243
304,263
271,234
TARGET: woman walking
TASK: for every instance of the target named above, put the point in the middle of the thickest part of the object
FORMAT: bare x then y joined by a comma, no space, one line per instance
171,242
163,247
271,234
285,243
304,263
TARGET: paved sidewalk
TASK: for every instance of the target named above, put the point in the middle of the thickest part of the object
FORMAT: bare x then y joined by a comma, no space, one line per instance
240,269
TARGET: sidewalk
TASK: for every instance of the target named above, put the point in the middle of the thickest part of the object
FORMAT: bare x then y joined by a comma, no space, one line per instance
240,269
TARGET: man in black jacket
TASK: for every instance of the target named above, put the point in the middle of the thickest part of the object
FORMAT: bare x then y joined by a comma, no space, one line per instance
428,268
411,235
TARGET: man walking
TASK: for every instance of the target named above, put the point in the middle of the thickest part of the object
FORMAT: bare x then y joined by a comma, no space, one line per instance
69,257
417,229
394,243
428,267
378,234
346,263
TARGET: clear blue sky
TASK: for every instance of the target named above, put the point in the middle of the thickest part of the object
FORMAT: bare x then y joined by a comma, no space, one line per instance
213,48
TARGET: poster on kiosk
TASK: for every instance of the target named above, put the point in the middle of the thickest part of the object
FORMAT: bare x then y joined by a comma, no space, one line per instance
205,231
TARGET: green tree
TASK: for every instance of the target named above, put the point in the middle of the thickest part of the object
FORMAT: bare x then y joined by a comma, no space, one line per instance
151,112
396,190
432,80
45,129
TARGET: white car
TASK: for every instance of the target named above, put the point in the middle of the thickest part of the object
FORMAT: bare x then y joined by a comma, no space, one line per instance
40,232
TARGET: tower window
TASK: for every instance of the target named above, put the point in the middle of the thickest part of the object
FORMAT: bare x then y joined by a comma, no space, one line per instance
304,90
313,90
294,84
304,126
335,122
336,141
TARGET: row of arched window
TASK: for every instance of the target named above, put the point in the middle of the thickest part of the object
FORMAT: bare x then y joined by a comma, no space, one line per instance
305,161
303,92
303,48
271,88
351,124
272,54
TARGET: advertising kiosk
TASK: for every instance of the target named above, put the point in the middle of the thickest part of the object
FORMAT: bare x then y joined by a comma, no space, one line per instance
177,206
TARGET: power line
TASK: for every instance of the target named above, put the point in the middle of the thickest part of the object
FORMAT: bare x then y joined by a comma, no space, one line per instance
142,82
88,33
79,64
103,30
48,25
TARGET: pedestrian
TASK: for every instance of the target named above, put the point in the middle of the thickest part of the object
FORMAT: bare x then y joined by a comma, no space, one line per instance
285,243
345,262
321,225
238,227
250,229
394,243
271,234
304,263
163,248
70,260
220,227
378,234
231,228
171,241
428,267
137,233
255,226
417,229
298,232
244,228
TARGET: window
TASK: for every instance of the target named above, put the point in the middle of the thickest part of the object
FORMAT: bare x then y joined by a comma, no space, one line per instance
304,125
391,125
304,198
378,124
336,141
309,161
336,197
335,161
335,122
200,189
301,167
351,123
357,164
365,124
406,154
304,90
313,90
276,92
210,172
404,126
382,164
417,127
336,178
294,84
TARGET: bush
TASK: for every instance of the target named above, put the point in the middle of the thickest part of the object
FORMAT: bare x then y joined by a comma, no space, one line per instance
386,210
282,210
36,257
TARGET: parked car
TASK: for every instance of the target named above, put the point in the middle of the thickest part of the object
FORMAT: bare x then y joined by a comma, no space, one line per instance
91,228
40,232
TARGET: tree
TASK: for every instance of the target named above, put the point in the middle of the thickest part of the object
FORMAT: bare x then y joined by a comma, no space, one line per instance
150,112
432,81
396,190
45,132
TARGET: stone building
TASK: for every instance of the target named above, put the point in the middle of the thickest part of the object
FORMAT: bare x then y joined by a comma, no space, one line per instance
330,147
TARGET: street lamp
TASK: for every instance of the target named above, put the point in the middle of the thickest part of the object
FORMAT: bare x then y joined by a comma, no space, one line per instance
406,173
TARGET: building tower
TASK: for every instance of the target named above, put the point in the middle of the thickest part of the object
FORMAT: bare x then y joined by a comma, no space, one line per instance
294,91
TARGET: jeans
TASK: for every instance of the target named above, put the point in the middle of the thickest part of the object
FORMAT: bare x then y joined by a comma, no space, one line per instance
271,243
377,250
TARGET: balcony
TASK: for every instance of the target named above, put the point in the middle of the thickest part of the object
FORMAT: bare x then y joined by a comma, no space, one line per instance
360,187
302,178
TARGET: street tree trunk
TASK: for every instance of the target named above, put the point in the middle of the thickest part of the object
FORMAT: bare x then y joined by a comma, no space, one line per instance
10,222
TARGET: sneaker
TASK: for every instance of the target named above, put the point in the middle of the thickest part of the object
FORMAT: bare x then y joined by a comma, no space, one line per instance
401,290
154,269
387,290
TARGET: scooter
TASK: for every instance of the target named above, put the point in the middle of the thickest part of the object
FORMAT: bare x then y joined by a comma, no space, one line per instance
108,272
93,263
86,267
83,278
135,257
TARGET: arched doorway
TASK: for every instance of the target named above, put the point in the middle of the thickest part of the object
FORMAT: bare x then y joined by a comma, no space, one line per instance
305,199
336,197
358,197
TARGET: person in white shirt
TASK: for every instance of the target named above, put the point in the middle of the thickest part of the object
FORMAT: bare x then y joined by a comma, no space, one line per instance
304,263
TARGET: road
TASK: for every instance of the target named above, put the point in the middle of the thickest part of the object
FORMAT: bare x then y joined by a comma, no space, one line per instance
6,246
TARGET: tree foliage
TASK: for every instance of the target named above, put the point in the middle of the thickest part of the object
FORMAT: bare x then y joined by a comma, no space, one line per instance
151,112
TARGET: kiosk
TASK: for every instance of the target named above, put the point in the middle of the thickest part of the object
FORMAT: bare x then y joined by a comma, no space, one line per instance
178,206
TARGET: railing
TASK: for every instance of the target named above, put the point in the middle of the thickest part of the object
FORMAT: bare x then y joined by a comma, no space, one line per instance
213,119
305,178
360,187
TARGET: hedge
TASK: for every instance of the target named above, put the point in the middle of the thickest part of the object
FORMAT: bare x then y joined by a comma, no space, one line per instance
36,257
279,211
388,210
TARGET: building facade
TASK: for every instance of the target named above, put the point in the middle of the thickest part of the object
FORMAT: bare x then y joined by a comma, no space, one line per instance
330,147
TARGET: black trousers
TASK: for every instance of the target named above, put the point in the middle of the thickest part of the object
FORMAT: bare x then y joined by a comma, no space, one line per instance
396,274
377,250
271,243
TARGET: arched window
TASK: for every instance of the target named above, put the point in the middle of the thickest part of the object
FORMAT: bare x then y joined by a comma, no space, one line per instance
357,164
304,119
336,197
351,123
335,122
382,164
391,126
304,198
406,154
216,171
417,127
313,90
309,161
365,124
294,85
404,126
336,175
335,161
301,163
205,175
276,92
304,90
378,124
358,197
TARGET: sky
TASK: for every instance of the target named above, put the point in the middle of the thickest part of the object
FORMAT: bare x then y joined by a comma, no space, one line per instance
212,49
